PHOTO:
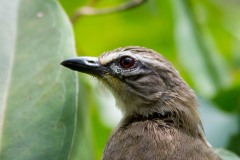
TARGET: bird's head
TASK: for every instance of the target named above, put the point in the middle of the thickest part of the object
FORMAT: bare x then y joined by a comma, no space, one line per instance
142,81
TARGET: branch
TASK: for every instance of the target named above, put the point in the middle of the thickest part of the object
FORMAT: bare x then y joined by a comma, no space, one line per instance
90,11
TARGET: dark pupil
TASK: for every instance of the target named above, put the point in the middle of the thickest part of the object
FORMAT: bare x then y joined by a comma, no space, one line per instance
127,62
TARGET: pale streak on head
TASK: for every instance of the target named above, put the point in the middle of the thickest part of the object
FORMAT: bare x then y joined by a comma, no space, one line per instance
157,61
110,56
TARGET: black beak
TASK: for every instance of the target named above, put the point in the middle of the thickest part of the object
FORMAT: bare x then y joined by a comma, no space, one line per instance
89,65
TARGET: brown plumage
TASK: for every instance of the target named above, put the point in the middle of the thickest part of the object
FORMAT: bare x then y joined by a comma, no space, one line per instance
160,114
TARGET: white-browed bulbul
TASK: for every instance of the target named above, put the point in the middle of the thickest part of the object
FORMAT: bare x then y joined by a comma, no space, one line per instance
160,112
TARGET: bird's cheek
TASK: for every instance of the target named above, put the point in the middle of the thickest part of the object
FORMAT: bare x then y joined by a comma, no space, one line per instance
114,84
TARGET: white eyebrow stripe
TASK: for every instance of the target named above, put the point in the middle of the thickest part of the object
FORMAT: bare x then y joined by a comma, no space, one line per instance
108,57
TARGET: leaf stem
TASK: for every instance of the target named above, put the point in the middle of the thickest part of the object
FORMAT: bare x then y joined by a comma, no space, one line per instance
90,11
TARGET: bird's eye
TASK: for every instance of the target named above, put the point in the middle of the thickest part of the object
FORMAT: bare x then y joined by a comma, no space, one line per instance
127,62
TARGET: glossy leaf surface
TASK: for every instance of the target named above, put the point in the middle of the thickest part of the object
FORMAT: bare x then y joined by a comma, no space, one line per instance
37,95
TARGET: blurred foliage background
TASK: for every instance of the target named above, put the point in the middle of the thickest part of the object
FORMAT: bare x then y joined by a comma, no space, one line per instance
200,38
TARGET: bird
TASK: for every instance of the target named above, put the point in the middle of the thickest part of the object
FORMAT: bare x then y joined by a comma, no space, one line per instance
160,118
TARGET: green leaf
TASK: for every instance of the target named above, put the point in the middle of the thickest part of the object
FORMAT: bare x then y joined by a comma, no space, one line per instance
234,143
91,134
83,141
71,7
37,95
228,99
197,51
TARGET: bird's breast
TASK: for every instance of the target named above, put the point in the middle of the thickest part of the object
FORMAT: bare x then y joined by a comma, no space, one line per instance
154,140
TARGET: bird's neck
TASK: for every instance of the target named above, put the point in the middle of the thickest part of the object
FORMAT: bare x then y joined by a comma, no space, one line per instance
183,120
151,117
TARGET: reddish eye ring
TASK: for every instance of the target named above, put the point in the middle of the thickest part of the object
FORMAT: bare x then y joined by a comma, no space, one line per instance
127,62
